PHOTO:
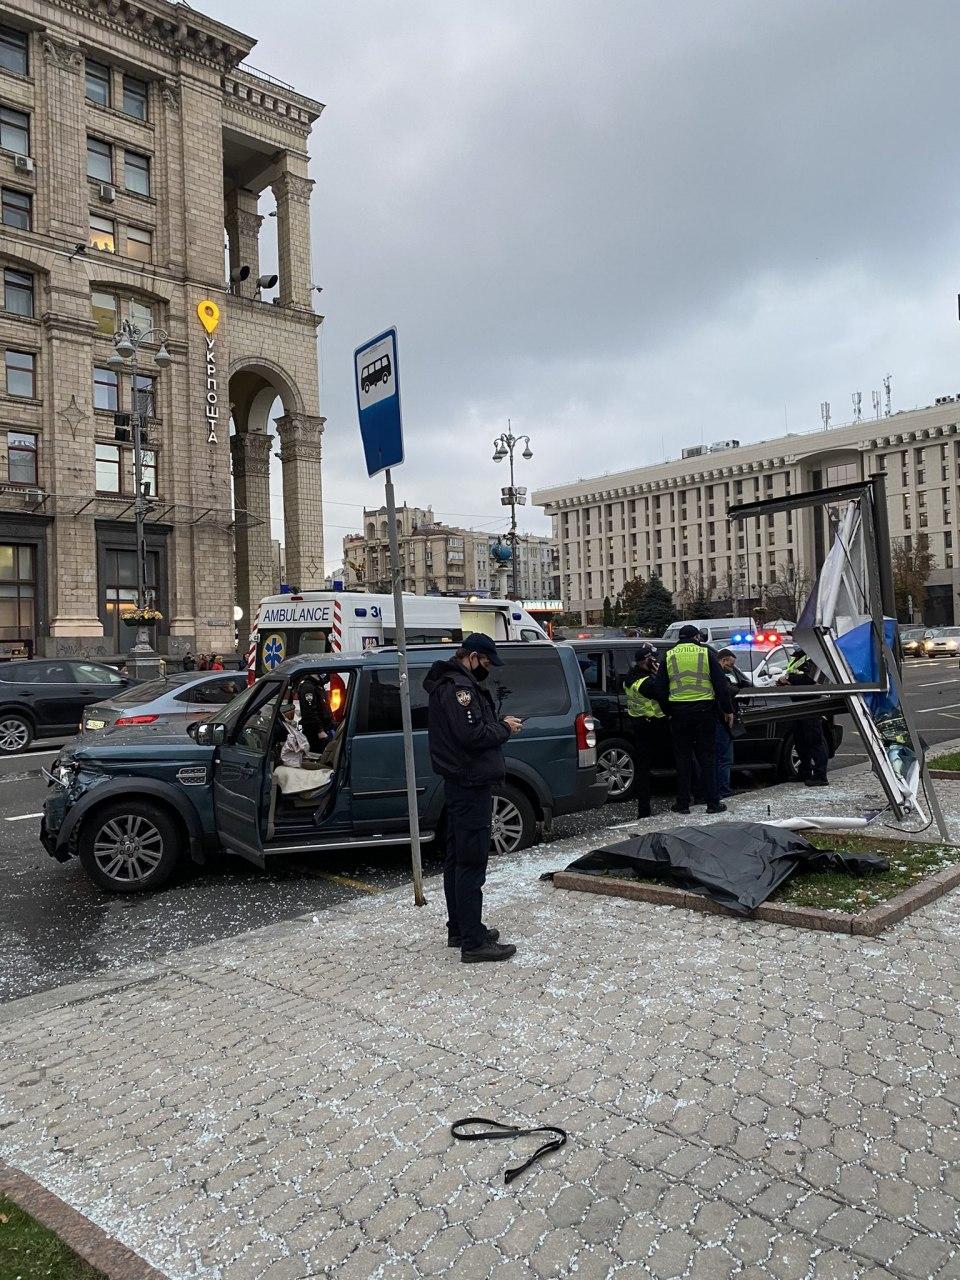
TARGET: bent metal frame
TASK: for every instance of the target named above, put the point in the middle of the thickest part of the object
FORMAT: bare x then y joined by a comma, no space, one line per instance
872,497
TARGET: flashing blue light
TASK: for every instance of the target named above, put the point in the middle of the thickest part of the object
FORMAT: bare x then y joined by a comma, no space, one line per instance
360,613
517,617
736,639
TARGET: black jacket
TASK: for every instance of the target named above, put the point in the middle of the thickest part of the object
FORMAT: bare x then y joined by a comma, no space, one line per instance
466,738
658,686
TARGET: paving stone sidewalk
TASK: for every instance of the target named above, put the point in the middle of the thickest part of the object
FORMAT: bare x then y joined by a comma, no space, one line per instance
742,1099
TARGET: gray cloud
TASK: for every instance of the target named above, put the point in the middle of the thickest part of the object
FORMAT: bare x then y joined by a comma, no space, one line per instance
621,224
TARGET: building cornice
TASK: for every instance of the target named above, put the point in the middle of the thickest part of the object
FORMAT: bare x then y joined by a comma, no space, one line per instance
261,98
173,29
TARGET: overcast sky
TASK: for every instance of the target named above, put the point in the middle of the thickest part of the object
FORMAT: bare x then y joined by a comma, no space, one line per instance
625,225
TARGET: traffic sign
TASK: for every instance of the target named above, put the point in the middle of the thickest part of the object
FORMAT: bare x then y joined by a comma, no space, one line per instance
378,401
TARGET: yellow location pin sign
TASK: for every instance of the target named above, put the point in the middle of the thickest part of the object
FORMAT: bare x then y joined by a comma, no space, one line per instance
209,314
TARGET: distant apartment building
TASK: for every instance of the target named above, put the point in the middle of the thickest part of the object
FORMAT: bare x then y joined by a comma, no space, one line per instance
538,566
441,558
671,519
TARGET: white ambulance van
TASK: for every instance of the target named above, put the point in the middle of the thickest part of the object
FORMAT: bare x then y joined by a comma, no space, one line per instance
351,621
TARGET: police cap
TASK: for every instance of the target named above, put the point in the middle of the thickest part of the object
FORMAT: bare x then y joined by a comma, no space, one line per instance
644,652
477,642
689,632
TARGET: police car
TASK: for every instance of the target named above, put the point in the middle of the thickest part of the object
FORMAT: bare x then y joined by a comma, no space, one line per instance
762,656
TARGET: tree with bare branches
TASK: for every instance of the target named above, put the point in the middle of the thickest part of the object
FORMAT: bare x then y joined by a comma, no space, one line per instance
912,566
788,592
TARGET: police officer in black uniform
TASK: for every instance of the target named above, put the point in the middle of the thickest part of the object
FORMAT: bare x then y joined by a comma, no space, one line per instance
466,750
808,734
316,719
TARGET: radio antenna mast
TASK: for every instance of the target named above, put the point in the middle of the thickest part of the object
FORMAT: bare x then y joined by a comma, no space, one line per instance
857,416
886,387
825,414
876,404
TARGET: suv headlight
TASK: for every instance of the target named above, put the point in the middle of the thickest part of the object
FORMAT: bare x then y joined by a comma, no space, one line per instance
64,772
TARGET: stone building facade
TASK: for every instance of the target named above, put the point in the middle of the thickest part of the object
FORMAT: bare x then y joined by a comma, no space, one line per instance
452,561
671,519
133,140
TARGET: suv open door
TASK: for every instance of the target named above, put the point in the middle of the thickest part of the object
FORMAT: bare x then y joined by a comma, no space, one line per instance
240,775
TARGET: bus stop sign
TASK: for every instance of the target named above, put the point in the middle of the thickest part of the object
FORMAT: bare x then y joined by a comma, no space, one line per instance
378,401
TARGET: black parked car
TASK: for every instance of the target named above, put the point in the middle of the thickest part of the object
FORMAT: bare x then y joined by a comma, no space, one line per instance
45,698
767,744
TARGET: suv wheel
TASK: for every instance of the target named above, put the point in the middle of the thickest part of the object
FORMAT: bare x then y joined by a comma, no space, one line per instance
514,824
617,768
129,847
16,734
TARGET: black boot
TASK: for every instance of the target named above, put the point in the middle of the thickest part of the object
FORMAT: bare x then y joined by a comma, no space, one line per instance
453,939
489,951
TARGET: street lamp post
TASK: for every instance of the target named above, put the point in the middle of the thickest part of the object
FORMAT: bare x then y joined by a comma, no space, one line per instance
127,342
511,496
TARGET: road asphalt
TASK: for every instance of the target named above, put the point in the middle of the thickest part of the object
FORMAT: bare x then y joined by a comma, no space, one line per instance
56,927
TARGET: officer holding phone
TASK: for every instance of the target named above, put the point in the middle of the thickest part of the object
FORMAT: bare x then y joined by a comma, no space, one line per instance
466,749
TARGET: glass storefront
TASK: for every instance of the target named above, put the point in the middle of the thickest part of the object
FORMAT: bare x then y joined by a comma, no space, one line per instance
120,593
17,600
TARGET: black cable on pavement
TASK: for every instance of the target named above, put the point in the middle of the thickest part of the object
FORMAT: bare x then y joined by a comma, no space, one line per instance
499,1130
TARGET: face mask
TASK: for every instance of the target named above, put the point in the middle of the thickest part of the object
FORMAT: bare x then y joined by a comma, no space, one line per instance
480,672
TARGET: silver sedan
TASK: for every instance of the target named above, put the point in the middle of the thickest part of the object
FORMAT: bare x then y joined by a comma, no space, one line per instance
180,699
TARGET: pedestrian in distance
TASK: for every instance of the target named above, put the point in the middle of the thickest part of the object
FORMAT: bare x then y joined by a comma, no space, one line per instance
693,690
645,716
724,732
808,735
216,662
189,661
202,664
466,740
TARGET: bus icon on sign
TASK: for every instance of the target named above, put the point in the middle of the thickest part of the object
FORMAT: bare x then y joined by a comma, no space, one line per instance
371,375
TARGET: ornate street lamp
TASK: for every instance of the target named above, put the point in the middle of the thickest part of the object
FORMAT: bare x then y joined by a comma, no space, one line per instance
511,495
127,342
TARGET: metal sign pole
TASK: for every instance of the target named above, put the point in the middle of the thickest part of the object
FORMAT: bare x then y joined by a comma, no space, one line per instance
405,714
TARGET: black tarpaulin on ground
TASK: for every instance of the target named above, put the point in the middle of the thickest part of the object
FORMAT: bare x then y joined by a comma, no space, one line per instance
736,863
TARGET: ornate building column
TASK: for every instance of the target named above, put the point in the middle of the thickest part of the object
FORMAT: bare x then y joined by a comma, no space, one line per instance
300,451
292,193
242,224
60,137
251,488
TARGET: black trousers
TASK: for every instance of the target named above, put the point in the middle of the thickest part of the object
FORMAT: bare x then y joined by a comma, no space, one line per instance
693,726
811,747
469,823
644,732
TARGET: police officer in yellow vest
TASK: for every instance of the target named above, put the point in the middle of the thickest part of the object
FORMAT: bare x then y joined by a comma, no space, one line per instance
693,690
646,719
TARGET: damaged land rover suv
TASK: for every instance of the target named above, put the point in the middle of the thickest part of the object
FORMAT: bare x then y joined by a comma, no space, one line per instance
132,803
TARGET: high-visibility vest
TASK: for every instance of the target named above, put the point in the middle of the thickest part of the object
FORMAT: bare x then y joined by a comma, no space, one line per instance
639,707
688,670
795,665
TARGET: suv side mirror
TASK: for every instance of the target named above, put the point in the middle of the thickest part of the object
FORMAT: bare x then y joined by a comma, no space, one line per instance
207,733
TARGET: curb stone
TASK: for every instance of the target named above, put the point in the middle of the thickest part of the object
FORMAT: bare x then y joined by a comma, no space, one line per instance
78,1233
865,924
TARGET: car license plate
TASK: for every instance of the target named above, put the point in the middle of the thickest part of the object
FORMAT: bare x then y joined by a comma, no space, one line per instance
94,724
